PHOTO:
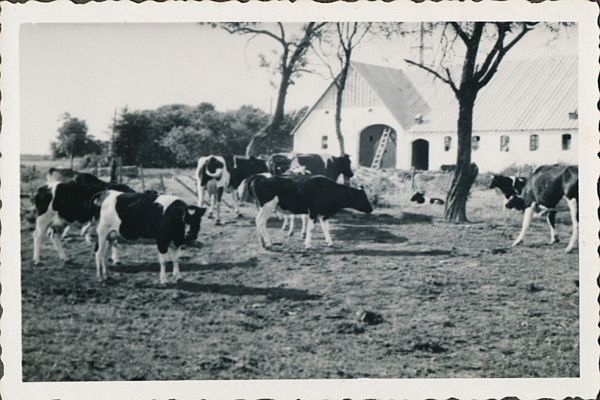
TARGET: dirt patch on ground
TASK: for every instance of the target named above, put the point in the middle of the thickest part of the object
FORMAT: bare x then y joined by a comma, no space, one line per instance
454,301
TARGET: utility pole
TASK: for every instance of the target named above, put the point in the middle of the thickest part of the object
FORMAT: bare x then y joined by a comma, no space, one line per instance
113,156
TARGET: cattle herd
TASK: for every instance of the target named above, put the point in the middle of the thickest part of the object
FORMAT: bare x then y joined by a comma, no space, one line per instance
303,185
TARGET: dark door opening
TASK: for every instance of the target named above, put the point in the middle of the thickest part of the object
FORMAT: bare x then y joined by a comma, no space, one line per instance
370,138
420,154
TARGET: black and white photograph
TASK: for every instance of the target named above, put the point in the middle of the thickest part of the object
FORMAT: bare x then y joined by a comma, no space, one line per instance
305,199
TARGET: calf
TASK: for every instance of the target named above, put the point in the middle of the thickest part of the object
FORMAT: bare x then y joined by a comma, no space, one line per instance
327,165
317,196
542,192
219,174
165,218
58,204
420,198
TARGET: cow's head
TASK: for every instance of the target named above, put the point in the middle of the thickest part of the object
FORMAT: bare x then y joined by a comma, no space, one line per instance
344,166
278,164
519,184
418,197
515,202
214,167
191,219
363,204
496,181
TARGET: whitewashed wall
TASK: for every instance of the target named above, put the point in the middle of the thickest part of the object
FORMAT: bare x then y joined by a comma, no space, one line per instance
489,158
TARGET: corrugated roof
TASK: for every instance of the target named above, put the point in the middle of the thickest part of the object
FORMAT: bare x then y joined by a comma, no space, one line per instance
531,95
395,90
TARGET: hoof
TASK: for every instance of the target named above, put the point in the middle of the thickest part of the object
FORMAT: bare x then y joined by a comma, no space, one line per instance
209,216
516,243
239,215
218,223
117,263
554,241
568,249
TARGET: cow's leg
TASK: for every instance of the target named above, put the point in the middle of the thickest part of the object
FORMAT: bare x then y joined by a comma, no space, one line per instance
527,217
212,205
304,219
285,222
175,252
257,222
57,242
102,246
85,231
573,208
236,203
325,228
162,260
261,221
292,219
309,230
200,192
551,219
218,196
42,223
65,232
114,252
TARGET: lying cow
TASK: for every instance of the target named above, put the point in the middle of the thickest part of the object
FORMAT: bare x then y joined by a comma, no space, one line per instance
322,164
58,204
218,174
318,196
148,215
421,198
542,192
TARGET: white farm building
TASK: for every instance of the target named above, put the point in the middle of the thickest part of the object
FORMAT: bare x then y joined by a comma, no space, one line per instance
527,114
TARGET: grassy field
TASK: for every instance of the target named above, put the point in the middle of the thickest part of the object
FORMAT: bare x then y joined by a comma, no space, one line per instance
456,300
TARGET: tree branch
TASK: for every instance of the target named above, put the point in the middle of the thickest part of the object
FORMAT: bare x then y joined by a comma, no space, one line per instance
436,74
241,30
463,35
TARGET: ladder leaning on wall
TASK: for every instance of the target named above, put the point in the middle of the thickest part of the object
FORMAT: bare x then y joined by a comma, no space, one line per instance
385,136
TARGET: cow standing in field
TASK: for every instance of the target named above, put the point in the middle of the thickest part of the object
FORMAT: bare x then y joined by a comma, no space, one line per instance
317,196
219,174
165,218
322,164
542,192
58,204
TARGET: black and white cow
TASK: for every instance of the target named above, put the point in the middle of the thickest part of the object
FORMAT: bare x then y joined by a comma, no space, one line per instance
317,196
279,163
421,198
542,192
218,174
58,204
323,164
508,185
148,215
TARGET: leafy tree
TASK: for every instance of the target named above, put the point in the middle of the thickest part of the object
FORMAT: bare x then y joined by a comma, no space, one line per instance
73,140
292,62
479,65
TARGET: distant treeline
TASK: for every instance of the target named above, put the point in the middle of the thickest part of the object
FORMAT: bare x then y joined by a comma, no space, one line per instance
176,135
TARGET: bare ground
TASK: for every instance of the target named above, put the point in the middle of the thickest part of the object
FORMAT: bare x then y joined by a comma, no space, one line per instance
456,301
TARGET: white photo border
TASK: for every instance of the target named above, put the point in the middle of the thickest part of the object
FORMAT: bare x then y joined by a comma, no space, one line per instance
584,13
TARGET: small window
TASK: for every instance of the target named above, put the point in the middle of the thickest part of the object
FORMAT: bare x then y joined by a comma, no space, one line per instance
566,141
447,143
504,143
475,142
324,142
534,142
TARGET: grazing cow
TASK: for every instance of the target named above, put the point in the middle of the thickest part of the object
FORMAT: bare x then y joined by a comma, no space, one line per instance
58,204
317,196
322,164
542,192
148,215
508,185
420,198
219,174
278,164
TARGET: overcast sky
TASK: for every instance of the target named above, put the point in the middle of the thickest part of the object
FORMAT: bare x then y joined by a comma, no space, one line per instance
89,70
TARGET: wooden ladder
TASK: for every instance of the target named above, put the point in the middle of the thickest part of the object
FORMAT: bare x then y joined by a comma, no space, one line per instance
381,148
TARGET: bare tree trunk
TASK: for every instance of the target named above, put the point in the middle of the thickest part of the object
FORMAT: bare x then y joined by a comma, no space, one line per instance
341,85
253,148
466,172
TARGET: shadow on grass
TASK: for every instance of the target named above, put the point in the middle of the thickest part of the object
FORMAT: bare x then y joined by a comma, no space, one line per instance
366,233
404,218
272,293
389,253
154,266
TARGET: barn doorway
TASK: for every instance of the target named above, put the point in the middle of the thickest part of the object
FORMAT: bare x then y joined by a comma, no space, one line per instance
370,138
420,154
